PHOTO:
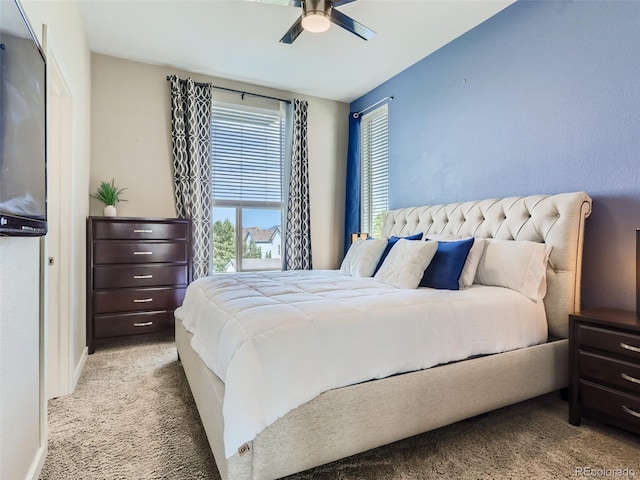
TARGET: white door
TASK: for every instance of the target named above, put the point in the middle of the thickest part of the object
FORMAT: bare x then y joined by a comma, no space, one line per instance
59,337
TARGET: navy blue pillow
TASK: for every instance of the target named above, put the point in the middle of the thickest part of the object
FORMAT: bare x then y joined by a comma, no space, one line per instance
446,266
390,243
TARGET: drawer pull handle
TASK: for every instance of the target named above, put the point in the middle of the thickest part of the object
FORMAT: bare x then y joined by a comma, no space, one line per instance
630,347
142,253
142,276
141,230
630,378
143,324
142,300
630,412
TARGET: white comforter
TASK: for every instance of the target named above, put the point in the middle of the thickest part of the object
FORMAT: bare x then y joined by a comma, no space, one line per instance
279,339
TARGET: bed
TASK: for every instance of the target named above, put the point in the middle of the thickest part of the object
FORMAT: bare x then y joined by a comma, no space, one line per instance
347,419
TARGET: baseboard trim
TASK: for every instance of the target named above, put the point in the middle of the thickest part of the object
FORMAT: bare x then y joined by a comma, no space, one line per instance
79,368
38,463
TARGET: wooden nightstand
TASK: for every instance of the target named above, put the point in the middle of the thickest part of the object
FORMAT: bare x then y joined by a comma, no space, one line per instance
604,385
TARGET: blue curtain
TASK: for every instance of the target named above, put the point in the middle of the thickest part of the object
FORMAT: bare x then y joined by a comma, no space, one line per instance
352,199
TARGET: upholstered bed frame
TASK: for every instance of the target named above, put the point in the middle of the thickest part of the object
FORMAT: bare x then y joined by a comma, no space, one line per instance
353,419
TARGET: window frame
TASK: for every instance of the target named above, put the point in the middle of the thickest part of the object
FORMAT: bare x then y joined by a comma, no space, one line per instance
374,169
238,205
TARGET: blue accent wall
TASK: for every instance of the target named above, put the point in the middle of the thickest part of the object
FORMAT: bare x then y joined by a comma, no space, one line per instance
544,97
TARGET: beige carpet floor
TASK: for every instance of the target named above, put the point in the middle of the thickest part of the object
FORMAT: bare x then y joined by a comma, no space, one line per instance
132,417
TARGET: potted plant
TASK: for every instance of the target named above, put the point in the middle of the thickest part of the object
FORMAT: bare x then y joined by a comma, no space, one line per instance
109,194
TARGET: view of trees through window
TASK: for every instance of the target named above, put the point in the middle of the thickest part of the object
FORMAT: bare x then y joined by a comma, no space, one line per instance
260,243
376,225
224,244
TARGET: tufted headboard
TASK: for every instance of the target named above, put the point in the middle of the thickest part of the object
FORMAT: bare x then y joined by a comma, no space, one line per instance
557,220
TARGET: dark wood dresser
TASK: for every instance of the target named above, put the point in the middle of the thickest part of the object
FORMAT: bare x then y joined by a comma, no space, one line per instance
604,347
137,272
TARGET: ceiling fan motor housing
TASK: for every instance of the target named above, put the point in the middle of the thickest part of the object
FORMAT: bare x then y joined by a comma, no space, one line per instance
316,7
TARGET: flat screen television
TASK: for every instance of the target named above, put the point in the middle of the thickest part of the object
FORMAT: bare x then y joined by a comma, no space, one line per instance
23,185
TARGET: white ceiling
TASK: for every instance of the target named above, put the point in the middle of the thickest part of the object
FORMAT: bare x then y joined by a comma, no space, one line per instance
239,39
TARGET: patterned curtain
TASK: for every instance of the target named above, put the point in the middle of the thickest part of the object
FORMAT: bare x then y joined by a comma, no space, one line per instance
190,134
297,253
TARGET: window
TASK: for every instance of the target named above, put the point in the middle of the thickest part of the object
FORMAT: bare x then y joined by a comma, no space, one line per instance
247,150
374,159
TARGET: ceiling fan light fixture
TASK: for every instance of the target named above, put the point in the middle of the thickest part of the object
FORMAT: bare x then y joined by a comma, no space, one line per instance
316,22
318,15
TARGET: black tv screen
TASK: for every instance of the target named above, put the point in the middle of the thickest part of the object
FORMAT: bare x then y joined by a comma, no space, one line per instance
23,190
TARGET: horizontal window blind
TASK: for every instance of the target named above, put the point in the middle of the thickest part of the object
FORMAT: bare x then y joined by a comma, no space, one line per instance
374,170
246,154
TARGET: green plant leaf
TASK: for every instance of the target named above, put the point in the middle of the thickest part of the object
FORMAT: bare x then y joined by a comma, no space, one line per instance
108,193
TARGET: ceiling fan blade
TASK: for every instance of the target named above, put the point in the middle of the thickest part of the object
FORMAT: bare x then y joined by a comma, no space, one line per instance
293,32
338,3
350,24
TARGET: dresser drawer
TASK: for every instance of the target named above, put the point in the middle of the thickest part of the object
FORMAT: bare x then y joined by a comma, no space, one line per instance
140,252
618,343
612,403
114,230
607,370
125,276
132,323
139,299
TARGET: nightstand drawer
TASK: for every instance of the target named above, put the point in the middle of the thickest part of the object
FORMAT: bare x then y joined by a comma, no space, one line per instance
612,403
115,230
613,372
619,343
132,323
125,276
137,252
112,301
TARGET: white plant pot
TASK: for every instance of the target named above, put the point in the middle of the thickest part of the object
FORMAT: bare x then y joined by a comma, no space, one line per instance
110,211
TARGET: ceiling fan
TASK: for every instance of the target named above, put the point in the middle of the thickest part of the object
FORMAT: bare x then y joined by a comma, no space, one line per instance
317,16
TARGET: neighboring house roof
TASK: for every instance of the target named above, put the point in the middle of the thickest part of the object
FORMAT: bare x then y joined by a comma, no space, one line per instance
260,235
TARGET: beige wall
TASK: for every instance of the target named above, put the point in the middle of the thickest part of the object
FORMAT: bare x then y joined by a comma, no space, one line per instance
20,400
130,128
22,372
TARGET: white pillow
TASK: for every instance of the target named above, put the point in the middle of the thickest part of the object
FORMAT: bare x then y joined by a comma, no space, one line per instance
473,259
362,257
518,265
406,262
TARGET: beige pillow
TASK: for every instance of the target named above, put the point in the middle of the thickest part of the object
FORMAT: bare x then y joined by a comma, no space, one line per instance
518,265
362,257
406,262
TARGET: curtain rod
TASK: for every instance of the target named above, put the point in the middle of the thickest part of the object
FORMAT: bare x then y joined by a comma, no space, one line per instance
357,114
233,90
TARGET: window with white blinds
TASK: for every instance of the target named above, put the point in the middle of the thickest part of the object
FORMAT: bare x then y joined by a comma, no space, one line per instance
374,158
246,151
